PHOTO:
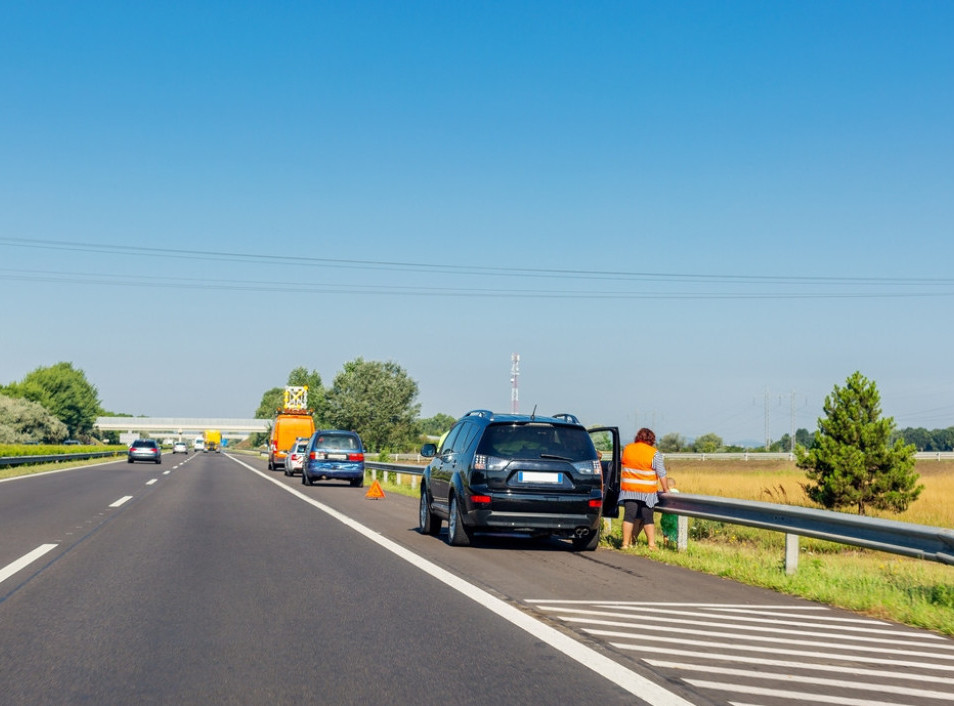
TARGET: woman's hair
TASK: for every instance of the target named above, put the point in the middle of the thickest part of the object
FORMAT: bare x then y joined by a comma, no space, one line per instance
646,436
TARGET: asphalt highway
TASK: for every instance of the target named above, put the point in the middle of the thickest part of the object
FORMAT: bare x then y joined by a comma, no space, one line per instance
209,579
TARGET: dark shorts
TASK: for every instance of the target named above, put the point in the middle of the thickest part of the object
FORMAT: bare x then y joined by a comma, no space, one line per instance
637,511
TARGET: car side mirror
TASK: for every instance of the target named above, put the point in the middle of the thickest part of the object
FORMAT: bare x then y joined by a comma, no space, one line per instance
429,450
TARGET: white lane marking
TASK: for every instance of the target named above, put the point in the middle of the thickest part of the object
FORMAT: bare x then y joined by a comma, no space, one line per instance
802,696
639,686
150,482
643,642
165,473
647,633
811,666
707,610
798,679
24,561
124,499
892,637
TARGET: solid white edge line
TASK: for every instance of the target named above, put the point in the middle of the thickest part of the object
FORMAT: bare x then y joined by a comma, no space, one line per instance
627,679
24,561
124,499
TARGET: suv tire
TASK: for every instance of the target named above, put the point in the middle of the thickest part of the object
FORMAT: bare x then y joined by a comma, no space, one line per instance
428,522
457,534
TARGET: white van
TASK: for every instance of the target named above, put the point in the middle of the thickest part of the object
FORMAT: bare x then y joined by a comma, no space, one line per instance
198,444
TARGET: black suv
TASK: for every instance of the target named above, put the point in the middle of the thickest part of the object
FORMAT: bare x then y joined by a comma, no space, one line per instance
519,474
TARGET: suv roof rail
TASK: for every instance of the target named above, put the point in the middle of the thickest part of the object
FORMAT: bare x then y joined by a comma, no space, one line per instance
566,416
480,413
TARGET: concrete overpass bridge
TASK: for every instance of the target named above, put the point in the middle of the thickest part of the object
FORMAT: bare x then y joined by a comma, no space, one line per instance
182,427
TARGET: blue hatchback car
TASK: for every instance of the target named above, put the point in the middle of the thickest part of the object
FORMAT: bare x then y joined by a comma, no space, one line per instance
334,455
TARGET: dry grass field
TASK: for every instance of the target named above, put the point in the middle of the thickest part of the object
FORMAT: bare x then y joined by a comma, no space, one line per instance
781,482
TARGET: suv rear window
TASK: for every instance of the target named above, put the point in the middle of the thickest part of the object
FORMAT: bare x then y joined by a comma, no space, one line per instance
536,440
338,442
140,444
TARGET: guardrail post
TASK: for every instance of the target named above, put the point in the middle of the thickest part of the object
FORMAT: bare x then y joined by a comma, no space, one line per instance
791,553
374,474
397,479
682,533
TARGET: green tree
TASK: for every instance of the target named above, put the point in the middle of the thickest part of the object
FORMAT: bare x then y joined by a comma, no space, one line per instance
64,391
707,444
376,400
672,443
24,421
851,463
437,425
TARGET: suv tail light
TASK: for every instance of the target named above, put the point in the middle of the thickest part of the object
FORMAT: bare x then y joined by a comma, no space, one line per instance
355,457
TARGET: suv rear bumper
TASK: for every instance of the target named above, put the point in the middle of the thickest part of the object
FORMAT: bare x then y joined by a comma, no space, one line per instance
335,471
531,522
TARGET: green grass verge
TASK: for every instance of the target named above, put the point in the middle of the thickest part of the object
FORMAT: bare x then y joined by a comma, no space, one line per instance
885,586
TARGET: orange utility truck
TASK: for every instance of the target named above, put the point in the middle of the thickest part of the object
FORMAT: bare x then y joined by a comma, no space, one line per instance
293,421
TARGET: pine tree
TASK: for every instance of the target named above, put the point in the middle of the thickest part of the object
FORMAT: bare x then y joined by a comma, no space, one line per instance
852,463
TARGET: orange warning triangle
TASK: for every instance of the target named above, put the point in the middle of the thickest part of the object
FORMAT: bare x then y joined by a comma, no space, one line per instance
375,492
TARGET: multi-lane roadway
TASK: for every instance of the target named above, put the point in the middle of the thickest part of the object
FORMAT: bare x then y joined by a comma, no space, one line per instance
209,579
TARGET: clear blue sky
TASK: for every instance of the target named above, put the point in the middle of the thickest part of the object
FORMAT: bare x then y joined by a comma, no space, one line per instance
679,215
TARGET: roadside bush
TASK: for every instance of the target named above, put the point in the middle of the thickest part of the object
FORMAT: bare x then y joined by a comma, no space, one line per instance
23,421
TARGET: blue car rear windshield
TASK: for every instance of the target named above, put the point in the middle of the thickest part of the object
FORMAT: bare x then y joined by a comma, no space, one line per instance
337,442
535,440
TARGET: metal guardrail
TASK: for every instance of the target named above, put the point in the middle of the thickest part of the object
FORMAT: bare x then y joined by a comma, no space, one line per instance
907,539
50,458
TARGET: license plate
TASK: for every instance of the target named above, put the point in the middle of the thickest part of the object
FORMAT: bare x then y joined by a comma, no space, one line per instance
337,457
539,477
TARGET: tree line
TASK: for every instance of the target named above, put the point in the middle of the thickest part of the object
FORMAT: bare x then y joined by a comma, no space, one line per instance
855,459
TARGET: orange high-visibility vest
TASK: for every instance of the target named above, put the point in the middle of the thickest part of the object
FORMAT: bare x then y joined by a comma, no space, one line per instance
637,474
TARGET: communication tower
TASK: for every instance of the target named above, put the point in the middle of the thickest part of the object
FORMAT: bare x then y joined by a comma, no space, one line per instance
514,379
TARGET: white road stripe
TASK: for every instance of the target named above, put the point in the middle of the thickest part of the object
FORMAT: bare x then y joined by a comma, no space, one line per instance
24,561
811,666
165,473
643,642
150,482
802,696
892,637
800,620
801,679
124,499
639,686
648,630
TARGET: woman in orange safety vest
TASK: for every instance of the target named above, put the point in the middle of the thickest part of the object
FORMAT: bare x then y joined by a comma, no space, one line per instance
642,469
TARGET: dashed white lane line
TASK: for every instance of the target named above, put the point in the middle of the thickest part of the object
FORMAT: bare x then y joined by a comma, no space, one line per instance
124,499
24,561
165,473
154,480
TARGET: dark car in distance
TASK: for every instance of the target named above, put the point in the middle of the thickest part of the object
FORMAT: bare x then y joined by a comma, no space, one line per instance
519,474
144,450
334,454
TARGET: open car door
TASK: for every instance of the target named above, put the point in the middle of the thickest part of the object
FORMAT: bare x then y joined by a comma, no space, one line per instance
606,441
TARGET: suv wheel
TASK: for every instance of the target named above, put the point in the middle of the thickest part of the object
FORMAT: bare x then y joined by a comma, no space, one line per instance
457,534
428,522
305,480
